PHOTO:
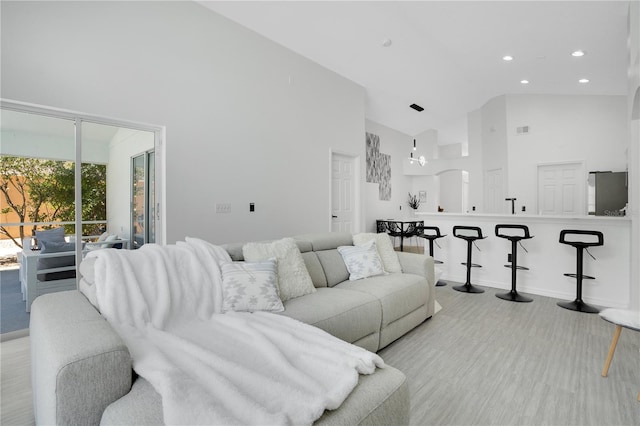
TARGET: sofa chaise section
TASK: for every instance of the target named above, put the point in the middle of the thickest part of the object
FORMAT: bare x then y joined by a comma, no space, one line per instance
82,374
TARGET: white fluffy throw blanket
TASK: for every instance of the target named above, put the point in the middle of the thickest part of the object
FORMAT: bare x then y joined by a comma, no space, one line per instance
215,368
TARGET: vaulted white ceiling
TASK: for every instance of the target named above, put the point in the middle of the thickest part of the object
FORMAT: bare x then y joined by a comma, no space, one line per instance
446,56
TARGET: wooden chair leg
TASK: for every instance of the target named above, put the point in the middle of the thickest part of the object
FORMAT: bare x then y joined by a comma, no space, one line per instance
612,349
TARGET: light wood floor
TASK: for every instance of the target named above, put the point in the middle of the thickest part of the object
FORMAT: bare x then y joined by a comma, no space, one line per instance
479,361
15,398
485,361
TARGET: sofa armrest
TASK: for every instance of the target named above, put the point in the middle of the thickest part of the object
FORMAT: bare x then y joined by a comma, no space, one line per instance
79,364
419,264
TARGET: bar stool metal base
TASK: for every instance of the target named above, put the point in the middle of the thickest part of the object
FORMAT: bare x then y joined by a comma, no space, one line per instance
440,283
468,288
580,306
514,296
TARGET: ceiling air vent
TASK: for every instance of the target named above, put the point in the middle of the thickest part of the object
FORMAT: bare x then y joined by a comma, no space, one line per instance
523,130
416,107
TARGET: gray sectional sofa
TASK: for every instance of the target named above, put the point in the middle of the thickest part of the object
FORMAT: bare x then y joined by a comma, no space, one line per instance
82,373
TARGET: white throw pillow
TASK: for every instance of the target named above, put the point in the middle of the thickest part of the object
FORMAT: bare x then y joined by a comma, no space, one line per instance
251,287
362,261
385,249
293,278
103,237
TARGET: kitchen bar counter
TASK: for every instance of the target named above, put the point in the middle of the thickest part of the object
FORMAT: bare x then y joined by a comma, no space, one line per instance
547,259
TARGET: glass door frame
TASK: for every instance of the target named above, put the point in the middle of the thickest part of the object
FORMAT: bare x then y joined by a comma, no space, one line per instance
78,118
150,211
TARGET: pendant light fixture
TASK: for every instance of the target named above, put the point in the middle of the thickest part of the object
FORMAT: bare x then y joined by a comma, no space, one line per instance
421,160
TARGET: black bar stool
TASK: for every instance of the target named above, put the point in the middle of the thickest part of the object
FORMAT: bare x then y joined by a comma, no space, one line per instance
581,245
515,234
432,237
470,234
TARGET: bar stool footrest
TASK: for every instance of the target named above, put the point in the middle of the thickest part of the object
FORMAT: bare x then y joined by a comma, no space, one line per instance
580,306
514,296
585,277
468,288
473,265
522,268
438,262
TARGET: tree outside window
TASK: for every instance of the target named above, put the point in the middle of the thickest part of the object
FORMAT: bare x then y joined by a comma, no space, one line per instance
38,190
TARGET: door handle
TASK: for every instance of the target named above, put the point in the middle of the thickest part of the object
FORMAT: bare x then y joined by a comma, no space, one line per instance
334,216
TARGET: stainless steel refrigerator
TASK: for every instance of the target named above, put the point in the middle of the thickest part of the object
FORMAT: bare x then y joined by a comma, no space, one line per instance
608,193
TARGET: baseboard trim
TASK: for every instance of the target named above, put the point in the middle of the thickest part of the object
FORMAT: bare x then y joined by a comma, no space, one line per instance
14,335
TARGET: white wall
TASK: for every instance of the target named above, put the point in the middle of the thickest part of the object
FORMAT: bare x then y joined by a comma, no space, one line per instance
125,144
633,112
246,119
398,145
591,129
451,191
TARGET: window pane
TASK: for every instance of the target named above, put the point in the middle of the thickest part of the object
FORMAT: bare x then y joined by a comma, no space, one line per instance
37,175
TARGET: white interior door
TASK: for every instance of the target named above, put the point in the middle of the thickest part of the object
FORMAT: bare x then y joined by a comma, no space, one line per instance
494,191
561,189
342,193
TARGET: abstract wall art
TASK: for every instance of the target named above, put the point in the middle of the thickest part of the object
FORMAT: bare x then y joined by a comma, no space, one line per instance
378,167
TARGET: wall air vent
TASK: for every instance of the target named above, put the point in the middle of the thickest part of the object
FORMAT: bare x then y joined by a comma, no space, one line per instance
523,130
416,107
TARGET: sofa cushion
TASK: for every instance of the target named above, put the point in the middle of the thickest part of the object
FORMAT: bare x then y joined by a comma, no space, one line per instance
315,269
362,261
293,277
333,266
57,261
348,315
235,249
385,249
399,294
326,240
379,398
62,261
250,286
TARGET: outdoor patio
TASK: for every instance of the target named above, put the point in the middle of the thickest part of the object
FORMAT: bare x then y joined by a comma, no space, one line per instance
13,316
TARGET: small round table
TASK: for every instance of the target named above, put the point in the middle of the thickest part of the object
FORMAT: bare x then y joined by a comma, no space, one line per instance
620,318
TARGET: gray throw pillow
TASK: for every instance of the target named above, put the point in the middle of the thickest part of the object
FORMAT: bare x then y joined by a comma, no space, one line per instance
55,235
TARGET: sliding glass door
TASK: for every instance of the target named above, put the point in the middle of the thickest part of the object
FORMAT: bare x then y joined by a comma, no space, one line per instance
143,209
60,169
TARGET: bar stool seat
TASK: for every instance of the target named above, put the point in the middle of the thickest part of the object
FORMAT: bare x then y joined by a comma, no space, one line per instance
470,234
515,234
588,239
432,235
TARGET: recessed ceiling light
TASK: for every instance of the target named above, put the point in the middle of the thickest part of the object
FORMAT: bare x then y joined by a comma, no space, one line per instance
387,42
507,58
577,53
583,80
524,81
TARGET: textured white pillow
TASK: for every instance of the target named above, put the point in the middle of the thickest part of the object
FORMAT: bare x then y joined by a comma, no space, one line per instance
102,237
385,249
362,261
293,278
251,287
